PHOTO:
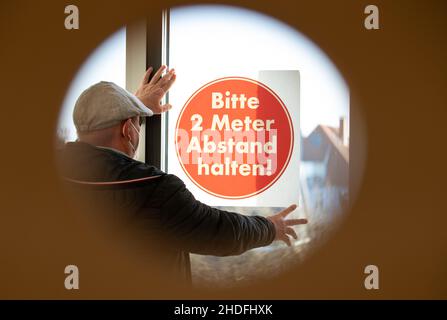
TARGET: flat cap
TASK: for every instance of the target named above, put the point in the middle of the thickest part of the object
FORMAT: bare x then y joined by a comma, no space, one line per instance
104,105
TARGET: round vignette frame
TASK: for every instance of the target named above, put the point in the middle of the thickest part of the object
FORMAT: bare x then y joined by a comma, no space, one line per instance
292,142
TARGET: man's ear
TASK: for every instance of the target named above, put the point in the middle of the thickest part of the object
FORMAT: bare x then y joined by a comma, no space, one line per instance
125,128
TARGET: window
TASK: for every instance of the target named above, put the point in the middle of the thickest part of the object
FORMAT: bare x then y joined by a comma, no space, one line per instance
210,42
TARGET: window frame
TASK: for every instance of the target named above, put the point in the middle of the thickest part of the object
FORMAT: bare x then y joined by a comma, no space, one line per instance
157,54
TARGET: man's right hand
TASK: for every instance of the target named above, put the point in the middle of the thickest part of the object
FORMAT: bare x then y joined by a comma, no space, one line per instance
283,227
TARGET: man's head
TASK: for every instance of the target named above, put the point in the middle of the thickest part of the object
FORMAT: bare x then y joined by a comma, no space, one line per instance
123,136
109,116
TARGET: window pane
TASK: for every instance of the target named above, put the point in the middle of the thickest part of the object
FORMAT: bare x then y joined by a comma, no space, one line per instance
211,42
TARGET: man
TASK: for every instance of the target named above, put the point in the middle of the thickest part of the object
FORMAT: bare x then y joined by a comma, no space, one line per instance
101,165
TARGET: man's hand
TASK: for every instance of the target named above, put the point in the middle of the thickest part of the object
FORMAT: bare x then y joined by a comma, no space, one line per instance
151,93
284,227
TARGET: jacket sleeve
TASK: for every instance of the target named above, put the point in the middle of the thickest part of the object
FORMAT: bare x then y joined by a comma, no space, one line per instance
199,228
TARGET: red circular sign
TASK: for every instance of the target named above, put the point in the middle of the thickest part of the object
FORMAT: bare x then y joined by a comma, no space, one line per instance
234,137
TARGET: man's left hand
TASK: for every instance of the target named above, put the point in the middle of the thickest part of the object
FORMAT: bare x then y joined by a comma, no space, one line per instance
151,92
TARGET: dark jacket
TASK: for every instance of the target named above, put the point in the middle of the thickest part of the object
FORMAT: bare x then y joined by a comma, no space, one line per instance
172,220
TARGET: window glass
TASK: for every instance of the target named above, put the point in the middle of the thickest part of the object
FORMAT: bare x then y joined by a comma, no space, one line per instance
210,42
